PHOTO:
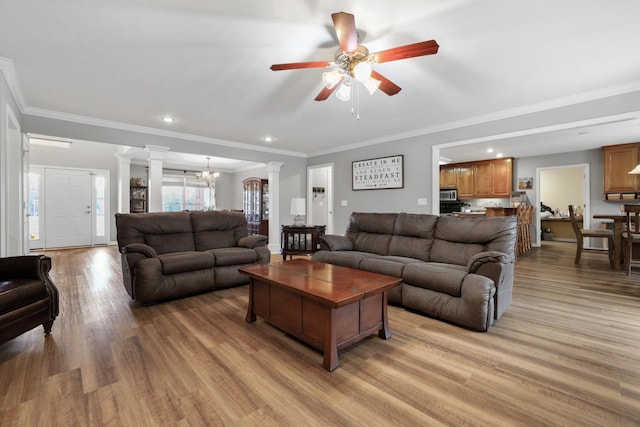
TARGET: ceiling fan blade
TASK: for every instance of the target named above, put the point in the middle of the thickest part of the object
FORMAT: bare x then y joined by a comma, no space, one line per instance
345,26
429,47
297,65
326,92
386,85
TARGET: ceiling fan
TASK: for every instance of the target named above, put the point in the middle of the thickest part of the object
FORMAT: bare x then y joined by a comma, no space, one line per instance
352,62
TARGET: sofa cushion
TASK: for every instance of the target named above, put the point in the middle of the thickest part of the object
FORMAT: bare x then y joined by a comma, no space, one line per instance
457,239
413,236
180,262
164,231
234,256
218,229
443,278
371,232
389,265
18,292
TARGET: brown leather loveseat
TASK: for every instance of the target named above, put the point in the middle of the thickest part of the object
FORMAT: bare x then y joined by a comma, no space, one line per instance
167,255
455,269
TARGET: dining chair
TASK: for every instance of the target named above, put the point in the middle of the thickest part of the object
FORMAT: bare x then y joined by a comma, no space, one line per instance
582,233
631,236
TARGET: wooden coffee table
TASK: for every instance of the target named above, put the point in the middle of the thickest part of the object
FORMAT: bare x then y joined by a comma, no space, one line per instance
327,306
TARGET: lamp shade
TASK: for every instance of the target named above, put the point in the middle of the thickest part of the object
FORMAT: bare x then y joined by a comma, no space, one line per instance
298,206
635,171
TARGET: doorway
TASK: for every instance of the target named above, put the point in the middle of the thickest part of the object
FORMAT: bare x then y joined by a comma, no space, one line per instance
320,196
67,207
559,187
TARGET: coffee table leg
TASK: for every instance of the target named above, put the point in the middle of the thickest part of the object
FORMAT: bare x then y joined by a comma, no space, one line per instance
251,315
385,331
330,351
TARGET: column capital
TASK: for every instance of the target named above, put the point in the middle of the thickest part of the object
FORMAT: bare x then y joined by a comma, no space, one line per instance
274,167
156,152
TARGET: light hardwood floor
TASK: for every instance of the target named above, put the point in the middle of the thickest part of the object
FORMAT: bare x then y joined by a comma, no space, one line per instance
566,352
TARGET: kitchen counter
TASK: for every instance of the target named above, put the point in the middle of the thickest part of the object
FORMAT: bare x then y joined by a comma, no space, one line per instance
470,214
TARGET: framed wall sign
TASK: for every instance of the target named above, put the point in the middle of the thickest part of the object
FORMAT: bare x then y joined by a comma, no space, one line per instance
378,174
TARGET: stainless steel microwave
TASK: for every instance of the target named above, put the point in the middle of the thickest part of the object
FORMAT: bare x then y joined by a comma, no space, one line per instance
448,195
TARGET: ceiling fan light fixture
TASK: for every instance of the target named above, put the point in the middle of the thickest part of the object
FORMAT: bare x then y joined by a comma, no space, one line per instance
372,85
362,71
344,92
331,78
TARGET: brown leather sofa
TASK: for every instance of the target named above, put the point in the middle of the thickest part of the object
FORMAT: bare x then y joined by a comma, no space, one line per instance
168,255
455,269
28,297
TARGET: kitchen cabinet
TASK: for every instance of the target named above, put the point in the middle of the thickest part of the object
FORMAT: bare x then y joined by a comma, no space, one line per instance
465,175
448,177
618,161
482,179
255,205
502,177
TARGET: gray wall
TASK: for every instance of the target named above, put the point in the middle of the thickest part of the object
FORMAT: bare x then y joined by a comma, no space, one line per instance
417,181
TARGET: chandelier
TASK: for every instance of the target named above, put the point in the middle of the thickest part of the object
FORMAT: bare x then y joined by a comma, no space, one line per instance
208,176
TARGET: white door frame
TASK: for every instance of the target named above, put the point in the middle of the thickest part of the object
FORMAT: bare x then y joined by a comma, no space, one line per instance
95,239
328,194
11,183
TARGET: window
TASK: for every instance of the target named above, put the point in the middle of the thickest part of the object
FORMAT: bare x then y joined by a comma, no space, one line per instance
100,191
185,193
35,181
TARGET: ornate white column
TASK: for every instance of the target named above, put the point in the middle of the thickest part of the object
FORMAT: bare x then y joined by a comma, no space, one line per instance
156,156
124,177
273,170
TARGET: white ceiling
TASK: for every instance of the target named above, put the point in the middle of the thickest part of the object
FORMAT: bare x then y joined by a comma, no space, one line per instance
207,64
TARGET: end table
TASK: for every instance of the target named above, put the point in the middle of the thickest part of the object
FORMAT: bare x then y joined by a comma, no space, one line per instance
300,240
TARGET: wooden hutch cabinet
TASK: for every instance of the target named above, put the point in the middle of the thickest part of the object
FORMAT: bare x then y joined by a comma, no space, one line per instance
255,204
618,161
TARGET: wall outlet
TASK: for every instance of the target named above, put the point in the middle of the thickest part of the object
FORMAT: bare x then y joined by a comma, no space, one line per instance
422,201
343,203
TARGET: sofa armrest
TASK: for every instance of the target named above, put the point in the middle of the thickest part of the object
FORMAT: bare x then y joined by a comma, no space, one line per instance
140,248
253,241
334,242
479,259
25,266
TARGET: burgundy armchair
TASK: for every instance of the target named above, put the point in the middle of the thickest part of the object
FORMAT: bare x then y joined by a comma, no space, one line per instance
28,297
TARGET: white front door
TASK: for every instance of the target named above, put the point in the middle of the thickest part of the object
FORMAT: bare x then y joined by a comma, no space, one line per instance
68,208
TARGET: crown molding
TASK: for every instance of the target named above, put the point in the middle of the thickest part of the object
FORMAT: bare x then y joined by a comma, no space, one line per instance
6,67
629,87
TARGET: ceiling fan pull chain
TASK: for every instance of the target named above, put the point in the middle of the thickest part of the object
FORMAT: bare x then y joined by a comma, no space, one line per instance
357,102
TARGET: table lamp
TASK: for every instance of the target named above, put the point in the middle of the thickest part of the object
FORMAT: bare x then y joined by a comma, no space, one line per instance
298,211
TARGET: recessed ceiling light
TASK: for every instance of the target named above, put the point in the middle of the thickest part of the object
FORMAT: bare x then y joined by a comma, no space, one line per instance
168,119
268,139
489,150
499,155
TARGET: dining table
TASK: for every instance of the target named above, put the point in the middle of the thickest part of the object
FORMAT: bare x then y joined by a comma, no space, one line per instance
619,221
